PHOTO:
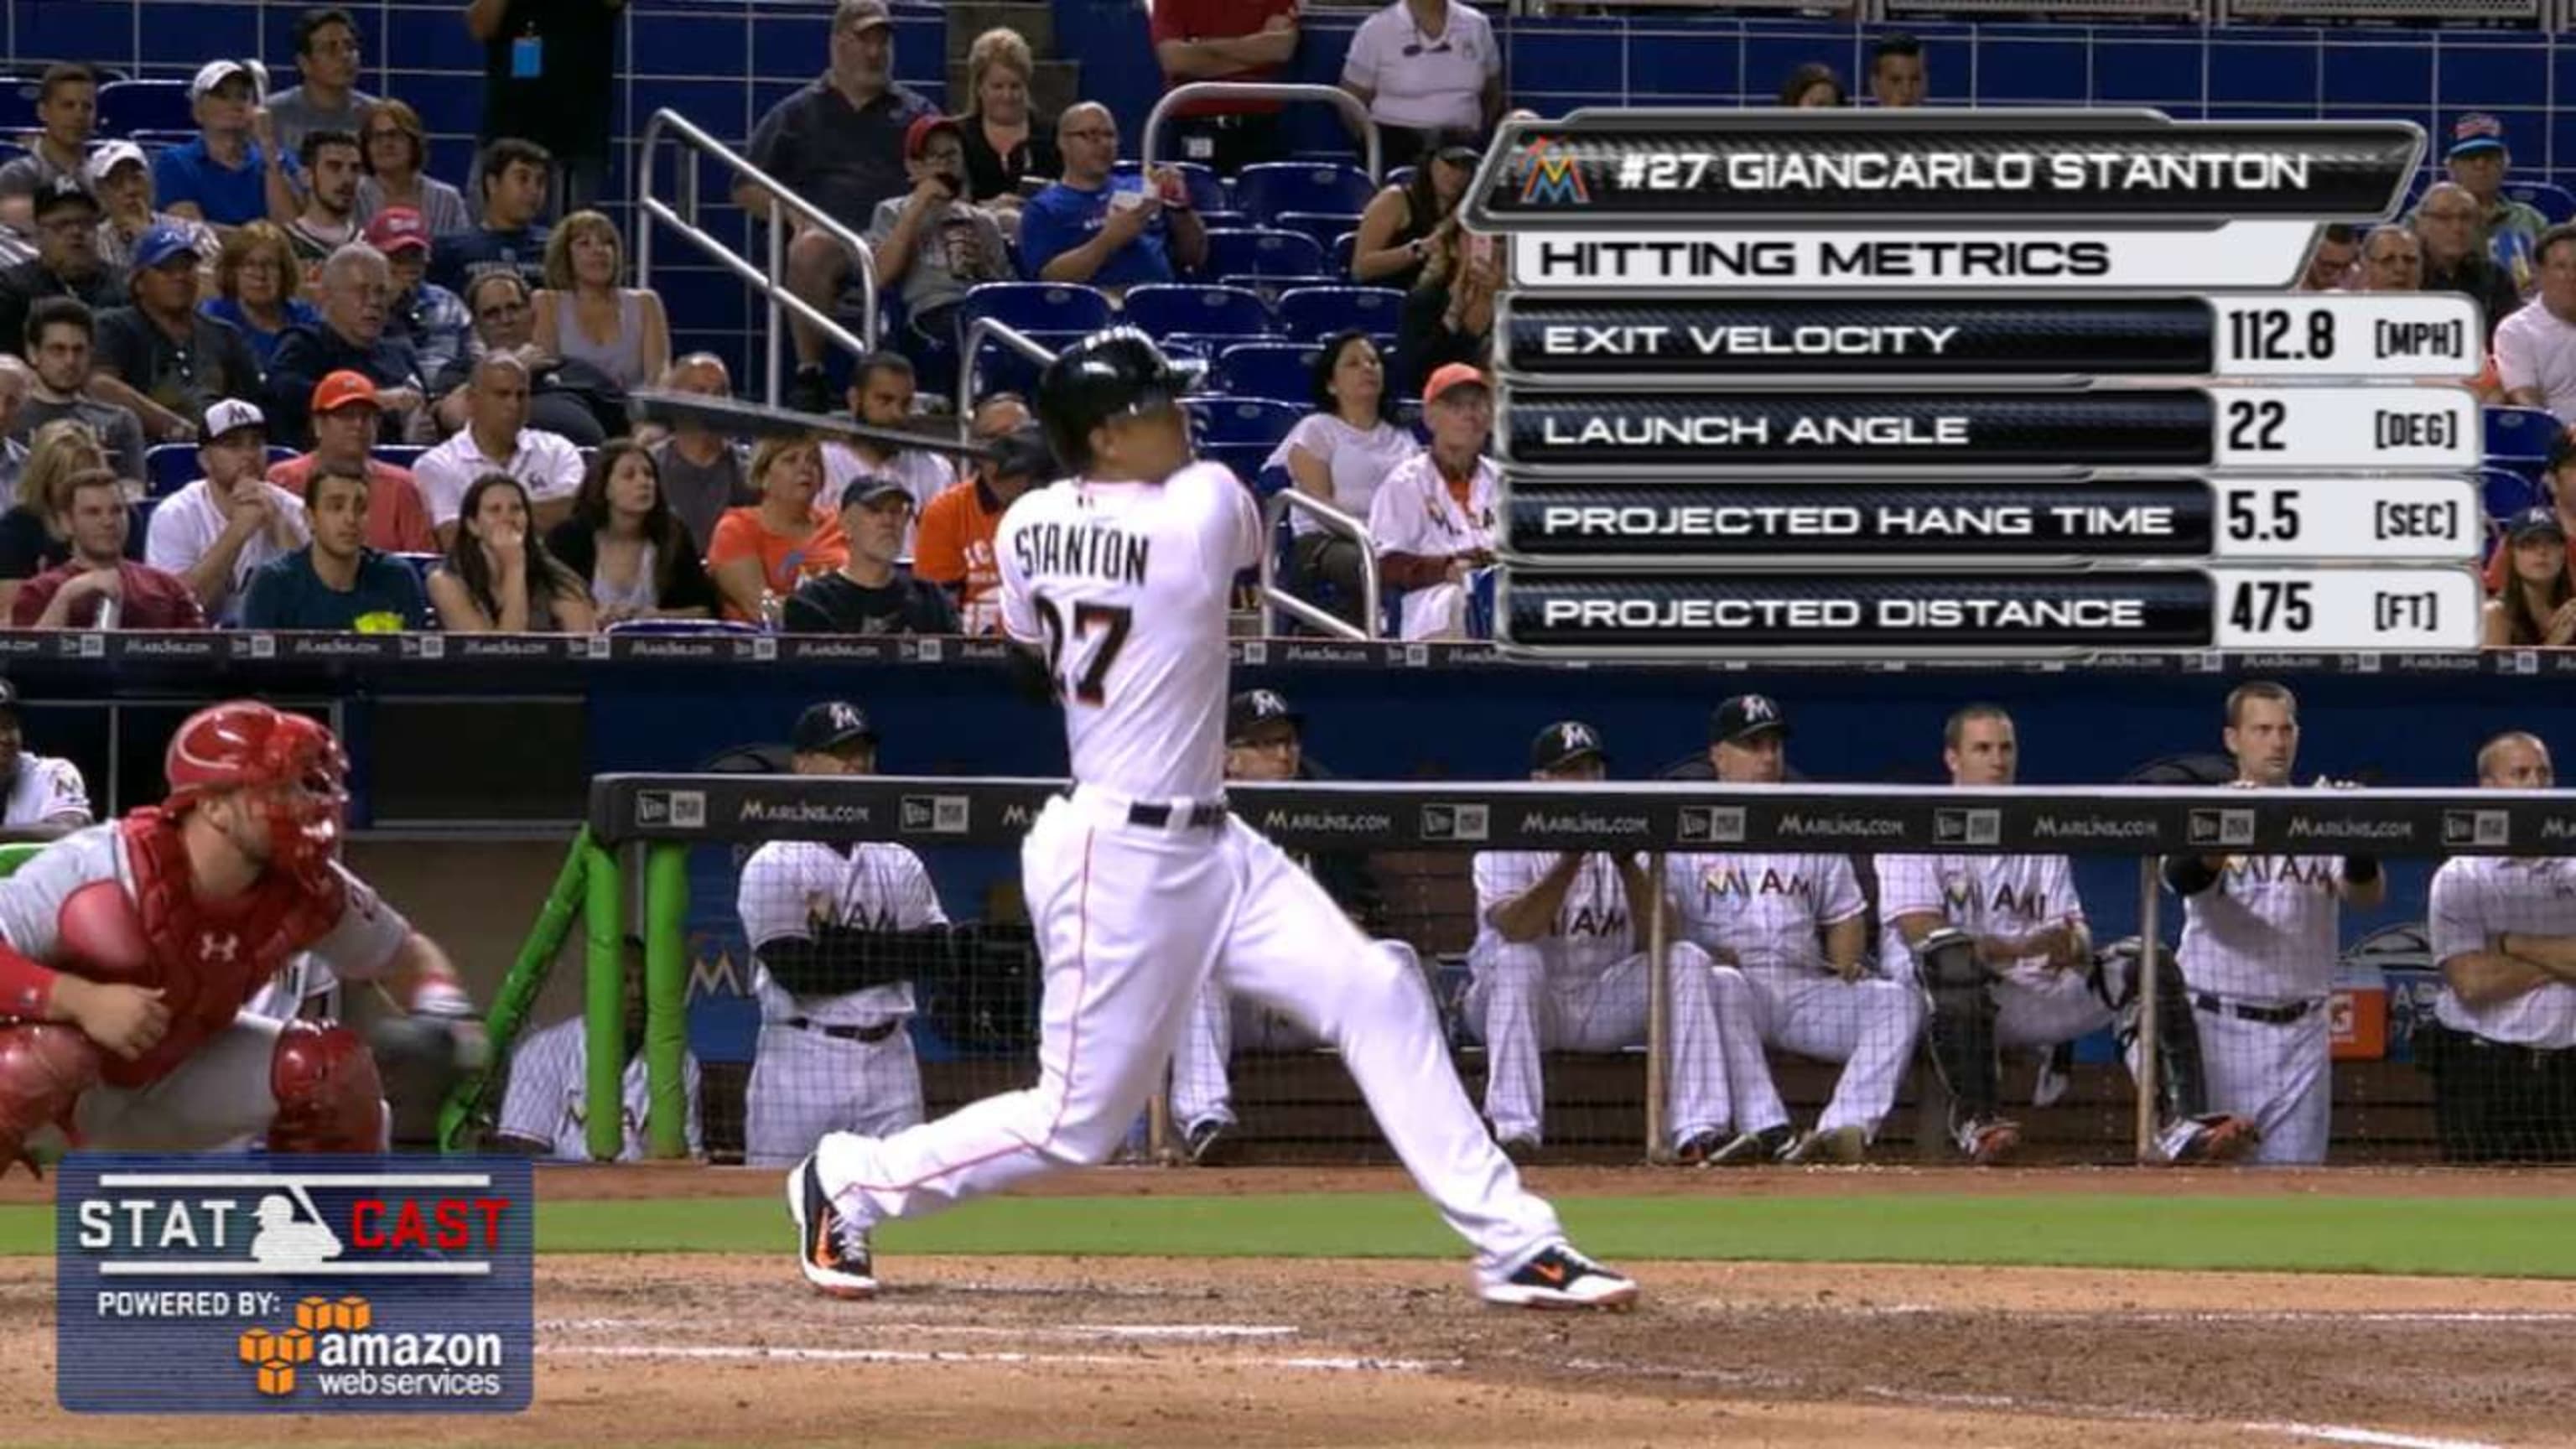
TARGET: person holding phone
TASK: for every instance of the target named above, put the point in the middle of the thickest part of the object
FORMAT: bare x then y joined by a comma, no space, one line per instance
1085,229
931,244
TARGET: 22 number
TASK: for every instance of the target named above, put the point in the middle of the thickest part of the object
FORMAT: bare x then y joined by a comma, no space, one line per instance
1110,621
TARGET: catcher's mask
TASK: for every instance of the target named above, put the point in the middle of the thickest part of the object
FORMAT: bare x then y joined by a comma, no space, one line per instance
287,768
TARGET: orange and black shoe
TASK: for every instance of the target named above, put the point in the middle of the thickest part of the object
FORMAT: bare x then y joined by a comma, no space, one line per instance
831,1250
1559,1277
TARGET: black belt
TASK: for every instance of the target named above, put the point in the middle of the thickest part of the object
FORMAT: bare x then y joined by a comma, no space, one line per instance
2247,1011
868,1034
1204,815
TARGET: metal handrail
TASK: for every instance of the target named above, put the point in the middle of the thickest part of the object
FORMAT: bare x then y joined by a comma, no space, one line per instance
771,285
973,342
1341,100
1276,600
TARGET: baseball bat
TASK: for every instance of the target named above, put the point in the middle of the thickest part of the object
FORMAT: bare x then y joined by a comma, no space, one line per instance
736,418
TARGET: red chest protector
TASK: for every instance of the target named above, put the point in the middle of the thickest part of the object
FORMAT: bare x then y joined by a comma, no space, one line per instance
207,960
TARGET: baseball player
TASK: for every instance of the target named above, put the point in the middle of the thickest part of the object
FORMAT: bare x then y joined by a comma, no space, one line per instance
834,1051
2258,951
132,946
1796,926
2502,1043
546,1111
1262,742
1141,884
1559,965
41,792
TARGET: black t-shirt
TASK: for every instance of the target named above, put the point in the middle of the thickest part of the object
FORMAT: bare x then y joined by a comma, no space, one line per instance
214,363
549,75
26,549
989,173
834,605
26,284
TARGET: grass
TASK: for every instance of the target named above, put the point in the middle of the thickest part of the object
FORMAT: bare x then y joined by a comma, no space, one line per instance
2494,1237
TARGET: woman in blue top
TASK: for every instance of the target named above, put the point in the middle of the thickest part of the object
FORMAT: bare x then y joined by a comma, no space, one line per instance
257,280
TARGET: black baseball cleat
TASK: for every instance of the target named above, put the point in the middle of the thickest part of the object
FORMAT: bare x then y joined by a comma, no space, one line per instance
831,1250
1753,1149
1208,1143
1696,1149
1559,1277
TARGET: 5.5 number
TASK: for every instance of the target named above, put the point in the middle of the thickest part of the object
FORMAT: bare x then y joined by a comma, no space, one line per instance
2249,522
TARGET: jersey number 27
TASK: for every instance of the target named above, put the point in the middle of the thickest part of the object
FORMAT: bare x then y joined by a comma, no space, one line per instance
1080,650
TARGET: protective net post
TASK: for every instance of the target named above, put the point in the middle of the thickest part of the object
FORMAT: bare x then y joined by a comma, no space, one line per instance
1659,1011
2150,989
509,1012
666,997
604,1004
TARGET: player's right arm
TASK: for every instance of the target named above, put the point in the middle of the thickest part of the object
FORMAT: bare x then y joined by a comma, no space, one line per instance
1909,893
2189,875
71,888
1521,907
807,956
540,1078
1842,916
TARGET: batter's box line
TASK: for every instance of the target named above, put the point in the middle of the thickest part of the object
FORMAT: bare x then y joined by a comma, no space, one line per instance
756,1353
1123,1331
2323,1433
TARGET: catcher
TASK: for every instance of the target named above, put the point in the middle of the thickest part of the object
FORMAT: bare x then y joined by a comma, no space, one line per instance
132,947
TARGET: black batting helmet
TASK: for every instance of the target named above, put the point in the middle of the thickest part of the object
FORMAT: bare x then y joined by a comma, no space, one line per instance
1111,374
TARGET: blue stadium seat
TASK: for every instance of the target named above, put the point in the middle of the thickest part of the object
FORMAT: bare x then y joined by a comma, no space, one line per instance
1312,312
401,455
1206,188
2523,433
138,526
169,467
1221,420
1208,346
1269,188
2504,493
1400,175
1267,252
1224,220
1161,310
1280,371
1003,369
1271,288
682,626
1038,306
2556,203
1325,227
1244,460
1345,247
125,107
419,563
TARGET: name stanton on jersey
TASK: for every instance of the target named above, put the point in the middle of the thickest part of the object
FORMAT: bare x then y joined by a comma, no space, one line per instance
1095,550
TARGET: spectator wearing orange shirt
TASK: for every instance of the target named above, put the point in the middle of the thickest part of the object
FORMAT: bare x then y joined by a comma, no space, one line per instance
953,544
761,553
344,435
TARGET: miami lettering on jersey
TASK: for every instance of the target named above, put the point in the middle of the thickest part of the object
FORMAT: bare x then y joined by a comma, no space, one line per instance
1092,550
1591,920
1960,893
2318,872
1721,882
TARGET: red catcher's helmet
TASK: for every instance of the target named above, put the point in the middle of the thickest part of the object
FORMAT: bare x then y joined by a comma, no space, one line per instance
246,745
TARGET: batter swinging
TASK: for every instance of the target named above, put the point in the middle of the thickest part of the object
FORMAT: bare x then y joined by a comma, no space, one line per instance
1142,886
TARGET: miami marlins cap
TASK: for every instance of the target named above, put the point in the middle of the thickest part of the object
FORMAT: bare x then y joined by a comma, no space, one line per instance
2475,132
1745,716
830,725
1254,708
1565,742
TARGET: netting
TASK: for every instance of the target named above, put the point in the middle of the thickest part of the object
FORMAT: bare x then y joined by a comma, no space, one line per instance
1848,974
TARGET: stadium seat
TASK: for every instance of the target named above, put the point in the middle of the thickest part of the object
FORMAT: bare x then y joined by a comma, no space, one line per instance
169,467
1345,247
1162,310
1312,312
1267,189
1244,460
999,368
1037,306
1280,371
138,526
682,626
1267,252
1206,188
1222,420
1207,347
1270,288
1216,221
400,455
2554,203
1326,227
2502,492
1400,175
2521,433
125,107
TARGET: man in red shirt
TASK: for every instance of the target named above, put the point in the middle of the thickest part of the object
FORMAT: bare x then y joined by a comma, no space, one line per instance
344,435
1226,40
100,588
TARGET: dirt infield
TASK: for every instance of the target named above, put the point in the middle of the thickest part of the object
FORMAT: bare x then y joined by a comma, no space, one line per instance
1158,1352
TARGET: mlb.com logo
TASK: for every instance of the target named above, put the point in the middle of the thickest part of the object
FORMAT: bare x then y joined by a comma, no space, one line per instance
934,814
1967,827
1711,825
295,1285
2220,827
2478,829
1456,822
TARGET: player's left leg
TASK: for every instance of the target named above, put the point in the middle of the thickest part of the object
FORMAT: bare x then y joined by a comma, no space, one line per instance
793,1097
1870,1026
1291,947
886,1080
2297,1116
1202,1098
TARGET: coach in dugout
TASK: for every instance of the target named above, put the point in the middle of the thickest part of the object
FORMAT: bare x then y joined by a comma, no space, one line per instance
2259,945
2501,1046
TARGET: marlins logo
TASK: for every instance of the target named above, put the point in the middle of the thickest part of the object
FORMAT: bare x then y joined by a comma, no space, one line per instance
1555,180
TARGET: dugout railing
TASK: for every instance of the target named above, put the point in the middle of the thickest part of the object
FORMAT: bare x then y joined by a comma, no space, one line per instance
658,819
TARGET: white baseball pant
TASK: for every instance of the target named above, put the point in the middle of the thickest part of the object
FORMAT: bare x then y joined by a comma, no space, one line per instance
1202,1090
1132,921
805,1084
1717,1074
2038,1013
2279,1076
1868,1025
217,1099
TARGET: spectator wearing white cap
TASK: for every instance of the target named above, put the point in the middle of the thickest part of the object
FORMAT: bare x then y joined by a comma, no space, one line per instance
326,61
218,531
160,357
227,177
120,176
67,113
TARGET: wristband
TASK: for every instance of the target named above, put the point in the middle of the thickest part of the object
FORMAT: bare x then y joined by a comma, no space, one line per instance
441,997
2360,869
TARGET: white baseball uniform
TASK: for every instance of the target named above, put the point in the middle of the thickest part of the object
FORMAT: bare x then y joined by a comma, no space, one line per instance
1997,895
2477,897
2262,941
45,790
1140,887
849,1066
1765,913
1414,512
1582,986
549,1091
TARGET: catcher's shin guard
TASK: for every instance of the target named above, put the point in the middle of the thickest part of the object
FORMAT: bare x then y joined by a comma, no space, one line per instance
329,1098
1962,1029
2182,1087
44,1069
